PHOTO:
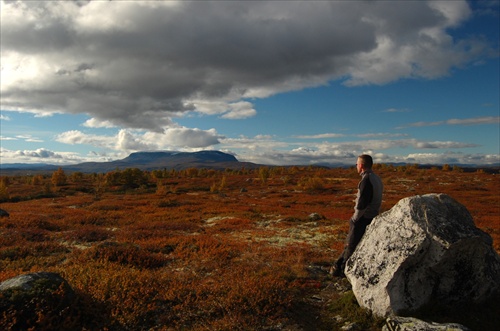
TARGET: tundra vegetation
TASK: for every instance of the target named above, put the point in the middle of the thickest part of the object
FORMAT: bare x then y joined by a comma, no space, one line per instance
202,249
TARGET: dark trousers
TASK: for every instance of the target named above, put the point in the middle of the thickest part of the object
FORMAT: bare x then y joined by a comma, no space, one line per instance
356,231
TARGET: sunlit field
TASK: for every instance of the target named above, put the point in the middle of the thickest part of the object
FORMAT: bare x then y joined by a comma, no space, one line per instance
202,249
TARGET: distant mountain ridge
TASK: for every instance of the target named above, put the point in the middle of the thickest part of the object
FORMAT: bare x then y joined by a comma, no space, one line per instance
165,160
148,161
206,156
179,161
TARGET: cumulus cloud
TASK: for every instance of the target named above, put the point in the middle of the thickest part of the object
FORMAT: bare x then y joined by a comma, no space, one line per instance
385,144
412,143
126,141
304,156
38,155
261,149
258,143
140,64
43,155
130,140
77,137
240,110
269,151
452,158
95,123
184,138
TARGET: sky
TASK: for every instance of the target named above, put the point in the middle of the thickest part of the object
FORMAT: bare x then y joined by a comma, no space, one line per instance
270,82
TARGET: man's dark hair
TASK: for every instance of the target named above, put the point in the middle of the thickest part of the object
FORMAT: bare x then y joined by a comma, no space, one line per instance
366,160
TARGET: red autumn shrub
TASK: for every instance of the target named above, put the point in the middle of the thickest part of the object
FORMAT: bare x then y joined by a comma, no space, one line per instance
125,254
238,258
87,234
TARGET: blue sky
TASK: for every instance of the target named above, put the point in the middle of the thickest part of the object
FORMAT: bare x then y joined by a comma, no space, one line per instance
271,82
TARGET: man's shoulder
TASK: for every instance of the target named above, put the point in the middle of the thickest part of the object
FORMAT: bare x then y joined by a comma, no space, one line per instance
367,173
370,175
374,175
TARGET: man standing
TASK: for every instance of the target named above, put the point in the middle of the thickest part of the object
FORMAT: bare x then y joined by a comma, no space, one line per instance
368,201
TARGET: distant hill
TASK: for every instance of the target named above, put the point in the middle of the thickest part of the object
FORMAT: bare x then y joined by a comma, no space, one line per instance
167,159
29,166
146,161
178,161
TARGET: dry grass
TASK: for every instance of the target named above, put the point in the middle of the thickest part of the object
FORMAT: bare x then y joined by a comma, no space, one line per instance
229,250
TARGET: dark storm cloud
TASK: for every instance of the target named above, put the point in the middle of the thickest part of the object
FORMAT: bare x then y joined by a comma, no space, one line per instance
138,64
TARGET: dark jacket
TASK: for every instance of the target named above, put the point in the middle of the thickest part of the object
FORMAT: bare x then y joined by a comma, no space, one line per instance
369,197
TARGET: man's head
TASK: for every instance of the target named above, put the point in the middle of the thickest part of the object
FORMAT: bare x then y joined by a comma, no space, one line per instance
364,162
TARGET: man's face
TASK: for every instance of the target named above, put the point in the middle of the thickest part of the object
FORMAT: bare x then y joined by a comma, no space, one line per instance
359,166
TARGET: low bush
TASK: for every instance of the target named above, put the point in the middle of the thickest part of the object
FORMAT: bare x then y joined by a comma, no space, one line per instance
125,254
189,259
87,234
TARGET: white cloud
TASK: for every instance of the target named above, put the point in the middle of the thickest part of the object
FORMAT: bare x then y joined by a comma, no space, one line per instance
465,121
128,140
381,135
412,143
341,135
270,151
40,155
77,137
259,149
321,136
452,158
240,110
442,145
396,110
386,144
140,64
184,138
263,137
43,155
95,123
258,143
4,118
137,66
475,121
27,138
7,138
303,156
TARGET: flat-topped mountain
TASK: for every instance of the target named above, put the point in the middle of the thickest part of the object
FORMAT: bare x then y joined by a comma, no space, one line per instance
180,160
165,159
204,156
146,161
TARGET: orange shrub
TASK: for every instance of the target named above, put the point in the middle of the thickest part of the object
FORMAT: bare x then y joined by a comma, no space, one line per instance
123,253
185,258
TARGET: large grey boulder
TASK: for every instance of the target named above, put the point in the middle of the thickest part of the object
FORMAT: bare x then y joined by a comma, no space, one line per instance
425,250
